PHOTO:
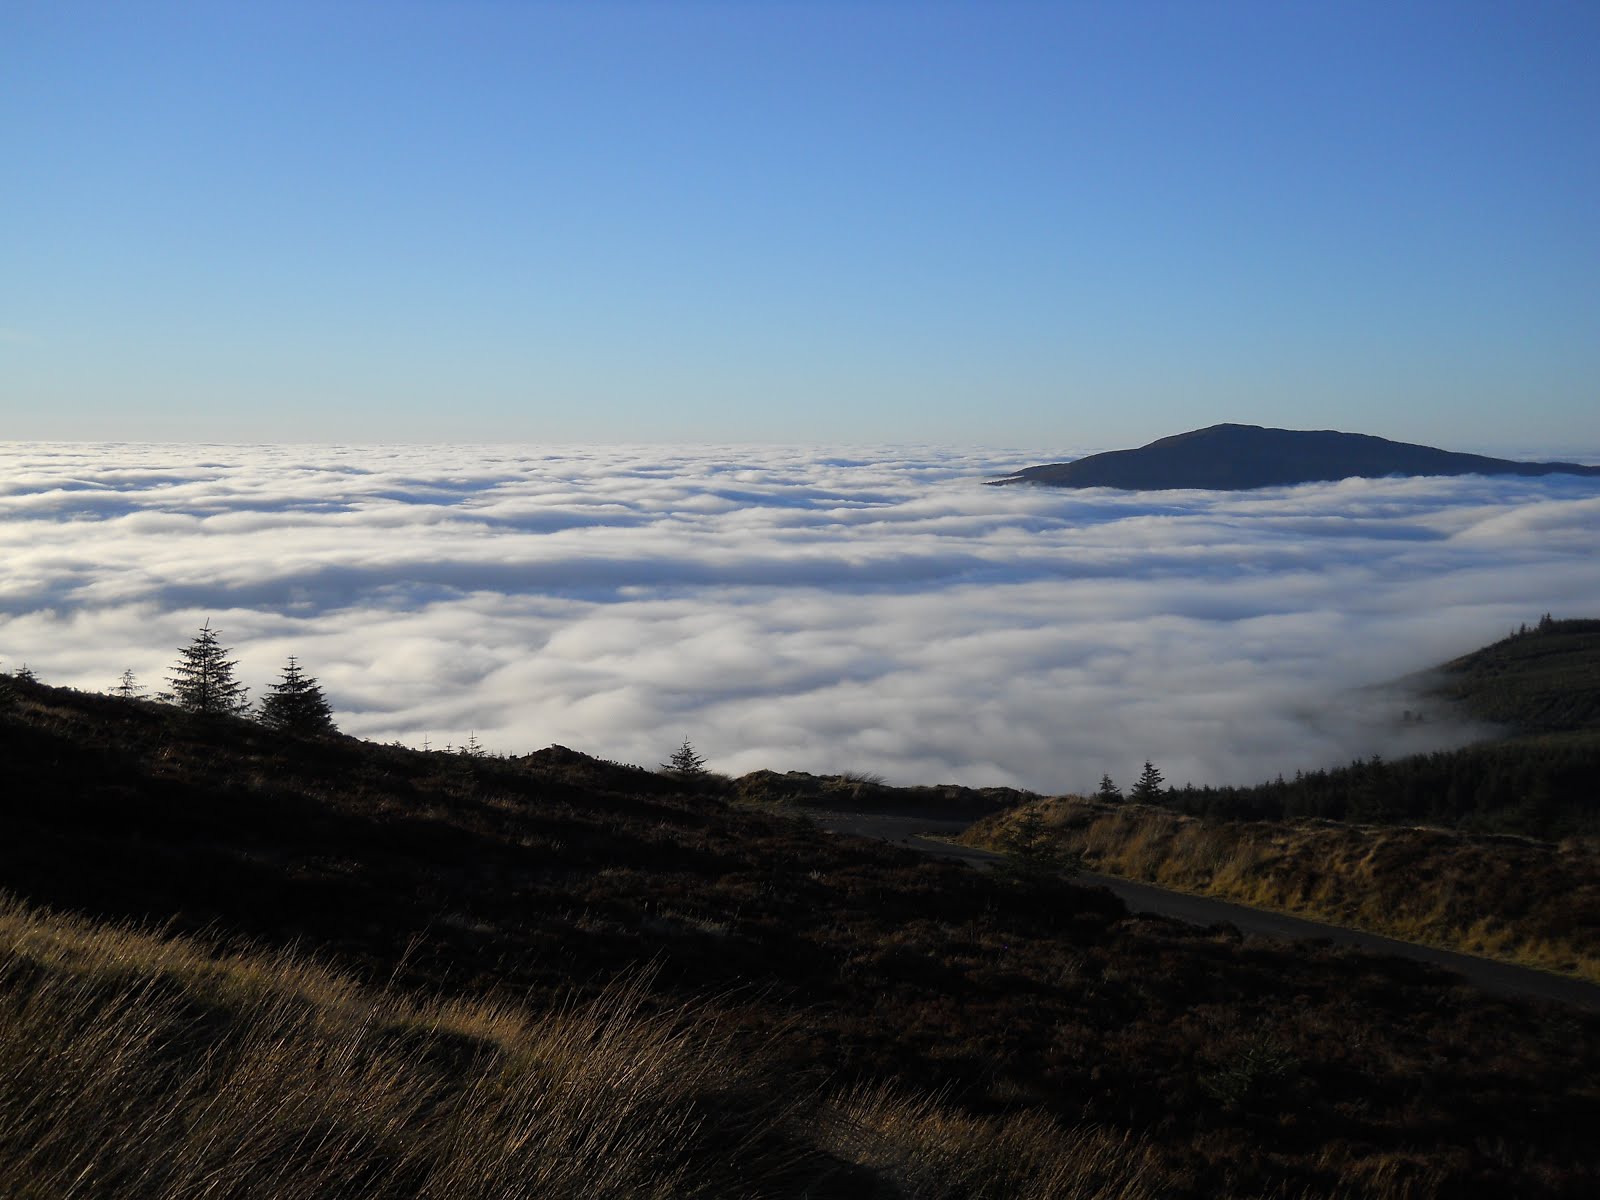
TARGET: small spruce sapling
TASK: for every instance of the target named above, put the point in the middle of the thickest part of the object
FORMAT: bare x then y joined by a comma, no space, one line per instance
1033,854
1109,792
128,686
685,763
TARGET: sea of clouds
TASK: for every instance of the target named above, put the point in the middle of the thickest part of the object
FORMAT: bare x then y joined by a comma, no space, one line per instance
868,609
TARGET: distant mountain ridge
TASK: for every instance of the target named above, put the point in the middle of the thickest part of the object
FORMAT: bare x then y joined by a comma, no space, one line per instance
1236,457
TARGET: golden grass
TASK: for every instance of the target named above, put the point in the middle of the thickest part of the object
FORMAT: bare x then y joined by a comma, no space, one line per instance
138,1065
929,1150
1532,903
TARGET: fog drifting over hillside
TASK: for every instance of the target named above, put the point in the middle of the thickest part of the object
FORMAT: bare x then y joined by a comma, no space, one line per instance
863,610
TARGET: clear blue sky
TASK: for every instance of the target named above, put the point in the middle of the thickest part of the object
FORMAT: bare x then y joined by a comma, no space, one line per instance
1025,224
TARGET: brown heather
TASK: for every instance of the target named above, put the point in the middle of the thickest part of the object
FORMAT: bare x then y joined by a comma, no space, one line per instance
1512,898
382,972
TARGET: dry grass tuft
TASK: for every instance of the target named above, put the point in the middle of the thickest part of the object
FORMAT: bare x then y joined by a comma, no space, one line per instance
930,1151
135,1065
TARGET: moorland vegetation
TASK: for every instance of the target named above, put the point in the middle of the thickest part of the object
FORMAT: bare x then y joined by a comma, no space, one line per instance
238,959
1516,899
1492,849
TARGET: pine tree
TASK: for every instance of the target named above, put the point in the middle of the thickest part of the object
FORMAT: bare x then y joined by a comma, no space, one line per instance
1148,789
202,679
128,686
295,704
1032,851
685,763
1109,792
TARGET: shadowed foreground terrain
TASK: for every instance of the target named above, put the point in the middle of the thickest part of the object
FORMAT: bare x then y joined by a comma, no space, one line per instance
386,972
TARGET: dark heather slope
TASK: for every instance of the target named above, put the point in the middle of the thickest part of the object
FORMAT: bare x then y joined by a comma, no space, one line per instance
1249,1068
1233,457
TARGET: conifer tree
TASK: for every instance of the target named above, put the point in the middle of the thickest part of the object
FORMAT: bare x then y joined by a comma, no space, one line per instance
202,678
1109,792
128,686
685,763
1033,853
1148,789
295,704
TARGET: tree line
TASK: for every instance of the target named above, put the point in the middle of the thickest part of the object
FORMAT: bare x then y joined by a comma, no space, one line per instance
1537,786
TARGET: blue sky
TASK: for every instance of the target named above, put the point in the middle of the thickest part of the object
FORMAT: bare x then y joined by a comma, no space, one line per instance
1054,226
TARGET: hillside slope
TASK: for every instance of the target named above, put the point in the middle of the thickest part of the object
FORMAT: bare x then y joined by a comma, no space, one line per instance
1543,678
1519,900
1345,845
1245,1069
1540,685
1230,457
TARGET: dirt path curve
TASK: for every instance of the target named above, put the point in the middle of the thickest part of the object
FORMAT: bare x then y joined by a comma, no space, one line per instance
1496,977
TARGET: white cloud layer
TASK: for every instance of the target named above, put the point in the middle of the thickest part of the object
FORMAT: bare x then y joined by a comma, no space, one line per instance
866,610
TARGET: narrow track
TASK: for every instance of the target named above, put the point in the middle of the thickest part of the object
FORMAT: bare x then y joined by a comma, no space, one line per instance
1503,979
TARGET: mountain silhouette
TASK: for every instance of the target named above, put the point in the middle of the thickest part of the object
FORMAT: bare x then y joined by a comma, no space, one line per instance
1232,457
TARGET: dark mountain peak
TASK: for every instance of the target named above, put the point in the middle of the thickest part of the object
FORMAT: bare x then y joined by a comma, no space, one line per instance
1211,433
1230,457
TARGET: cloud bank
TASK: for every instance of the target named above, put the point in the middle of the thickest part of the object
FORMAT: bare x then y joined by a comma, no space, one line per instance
874,610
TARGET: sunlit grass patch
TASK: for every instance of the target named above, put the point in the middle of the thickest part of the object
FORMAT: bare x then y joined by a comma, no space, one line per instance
1516,899
136,1065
